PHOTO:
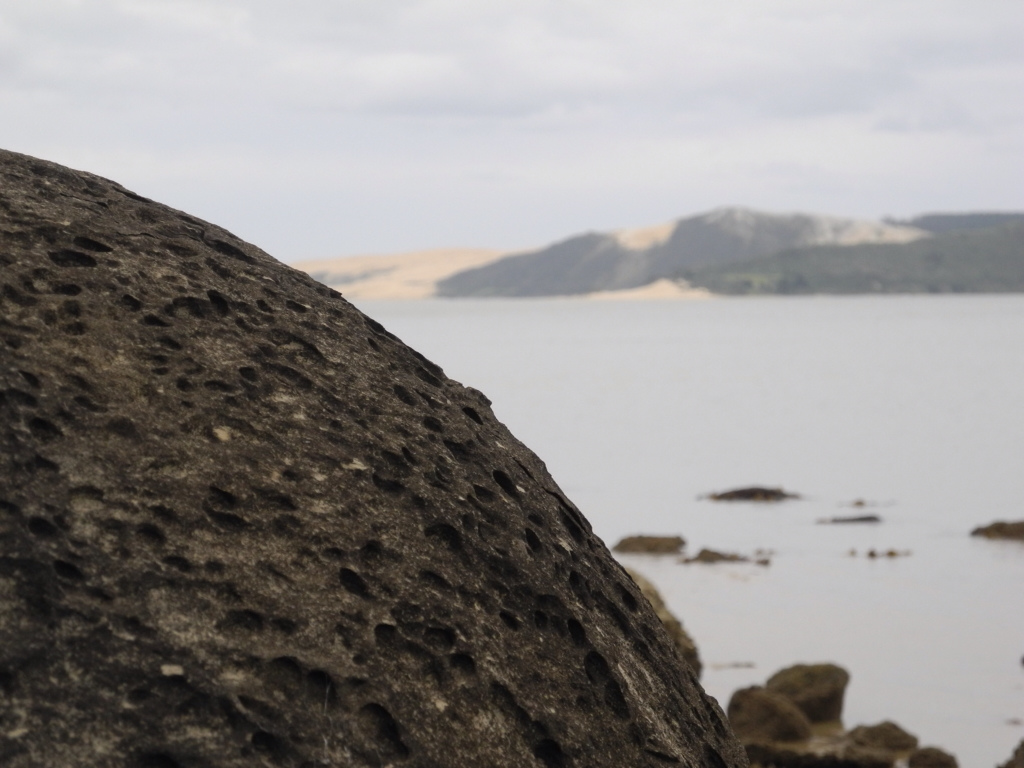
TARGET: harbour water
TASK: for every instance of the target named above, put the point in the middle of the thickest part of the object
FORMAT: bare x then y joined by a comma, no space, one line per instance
912,404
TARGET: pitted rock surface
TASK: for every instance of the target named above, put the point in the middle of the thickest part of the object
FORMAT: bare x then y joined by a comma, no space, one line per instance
241,524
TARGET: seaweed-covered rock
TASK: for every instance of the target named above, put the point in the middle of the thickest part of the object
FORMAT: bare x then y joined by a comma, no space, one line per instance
753,493
650,545
931,757
759,715
243,524
683,642
885,735
817,689
1001,529
709,556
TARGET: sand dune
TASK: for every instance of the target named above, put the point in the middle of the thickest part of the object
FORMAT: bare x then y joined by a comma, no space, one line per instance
396,276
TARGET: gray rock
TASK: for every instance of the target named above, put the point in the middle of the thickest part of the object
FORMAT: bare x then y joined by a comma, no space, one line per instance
759,715
243,524
817,689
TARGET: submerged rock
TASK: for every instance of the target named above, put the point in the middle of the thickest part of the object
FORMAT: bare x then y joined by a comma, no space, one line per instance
683,642
242,524
817,689
753,493
1001,529
650,545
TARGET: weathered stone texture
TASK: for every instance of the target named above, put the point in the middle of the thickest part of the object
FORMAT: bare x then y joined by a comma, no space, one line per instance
241,524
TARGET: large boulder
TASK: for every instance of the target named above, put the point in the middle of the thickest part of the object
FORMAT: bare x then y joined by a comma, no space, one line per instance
680,637
242,524
817,689
759,715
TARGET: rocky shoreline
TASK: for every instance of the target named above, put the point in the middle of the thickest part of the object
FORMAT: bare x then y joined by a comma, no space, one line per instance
794,720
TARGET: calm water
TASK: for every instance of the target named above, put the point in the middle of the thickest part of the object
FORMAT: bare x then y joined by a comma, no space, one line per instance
915,404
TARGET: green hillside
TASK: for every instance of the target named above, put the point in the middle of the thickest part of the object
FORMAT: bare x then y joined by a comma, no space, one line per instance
987,260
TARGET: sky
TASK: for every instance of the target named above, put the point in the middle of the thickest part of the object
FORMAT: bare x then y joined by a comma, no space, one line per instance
319,128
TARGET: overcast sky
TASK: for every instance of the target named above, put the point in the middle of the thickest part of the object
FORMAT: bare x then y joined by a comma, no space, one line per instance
316,128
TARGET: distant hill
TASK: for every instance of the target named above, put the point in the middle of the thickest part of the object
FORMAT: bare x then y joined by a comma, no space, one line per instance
727,251
597,262
969,260
941,223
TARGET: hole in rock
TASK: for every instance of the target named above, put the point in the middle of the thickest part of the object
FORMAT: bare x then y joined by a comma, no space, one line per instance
69,258
244,621
68,571
549,752
354,583
31,378
151,533
42,527
44,430
577,632
230,250
91,245
505,483
532,540
628,600
180,563
463,662
156,760
404,395
286,626
268,743
441,638
471,412
446,534
382,727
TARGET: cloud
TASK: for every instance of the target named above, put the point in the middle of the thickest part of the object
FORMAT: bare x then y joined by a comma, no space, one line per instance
536,108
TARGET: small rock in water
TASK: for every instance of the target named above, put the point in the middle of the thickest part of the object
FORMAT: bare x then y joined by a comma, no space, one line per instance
850,519
711,556
753,493
932,757
1001,529
651,545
